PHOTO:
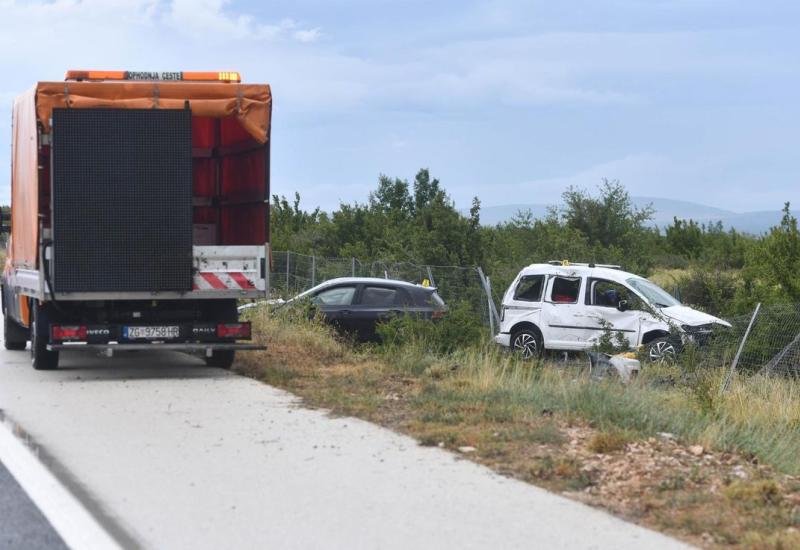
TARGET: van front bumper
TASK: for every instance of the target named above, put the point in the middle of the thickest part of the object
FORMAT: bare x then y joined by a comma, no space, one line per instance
503,339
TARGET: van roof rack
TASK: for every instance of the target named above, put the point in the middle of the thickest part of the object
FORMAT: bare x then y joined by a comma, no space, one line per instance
567,263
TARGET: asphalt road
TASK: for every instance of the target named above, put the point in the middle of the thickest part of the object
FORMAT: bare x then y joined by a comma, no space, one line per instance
167,453
22,525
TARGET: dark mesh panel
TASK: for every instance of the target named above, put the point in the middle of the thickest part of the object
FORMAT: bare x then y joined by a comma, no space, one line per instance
122,192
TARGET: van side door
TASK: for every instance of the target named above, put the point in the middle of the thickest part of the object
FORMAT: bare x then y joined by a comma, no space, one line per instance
603,299
564,323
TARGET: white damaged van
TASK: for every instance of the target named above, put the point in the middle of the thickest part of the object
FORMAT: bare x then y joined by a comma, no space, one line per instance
567,307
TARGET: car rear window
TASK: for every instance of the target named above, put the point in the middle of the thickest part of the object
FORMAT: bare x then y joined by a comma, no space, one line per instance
379,296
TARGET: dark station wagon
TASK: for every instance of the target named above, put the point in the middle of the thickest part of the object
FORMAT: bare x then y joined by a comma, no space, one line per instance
355,305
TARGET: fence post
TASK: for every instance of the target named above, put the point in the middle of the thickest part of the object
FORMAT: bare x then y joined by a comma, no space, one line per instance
492,309
288,256
353,266
430,276
313,271
268,269
727,382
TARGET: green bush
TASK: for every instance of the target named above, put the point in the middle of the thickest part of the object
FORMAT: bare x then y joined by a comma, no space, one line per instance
459,329
711,290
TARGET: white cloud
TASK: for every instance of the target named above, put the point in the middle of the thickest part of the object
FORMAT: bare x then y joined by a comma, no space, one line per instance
310,35
210,18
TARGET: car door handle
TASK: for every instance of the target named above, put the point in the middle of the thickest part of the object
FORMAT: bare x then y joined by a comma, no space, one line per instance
345,312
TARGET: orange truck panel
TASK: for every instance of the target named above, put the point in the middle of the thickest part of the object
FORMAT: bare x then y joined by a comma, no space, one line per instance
24,182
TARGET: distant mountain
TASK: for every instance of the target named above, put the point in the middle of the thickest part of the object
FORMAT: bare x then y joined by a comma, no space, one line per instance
665,211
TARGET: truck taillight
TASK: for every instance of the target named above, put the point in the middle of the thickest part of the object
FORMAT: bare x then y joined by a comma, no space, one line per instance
234,330
68,333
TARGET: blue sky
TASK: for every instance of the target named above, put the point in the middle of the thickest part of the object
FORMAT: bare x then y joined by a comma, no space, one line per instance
511,101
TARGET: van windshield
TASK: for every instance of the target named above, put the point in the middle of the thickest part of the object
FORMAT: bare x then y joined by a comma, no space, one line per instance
654,294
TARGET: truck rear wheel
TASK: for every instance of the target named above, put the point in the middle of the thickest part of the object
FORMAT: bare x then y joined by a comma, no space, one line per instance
15,337
222,311
41,357
221,358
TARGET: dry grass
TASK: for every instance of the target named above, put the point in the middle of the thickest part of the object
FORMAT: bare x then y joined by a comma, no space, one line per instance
668,278
607,442
596,441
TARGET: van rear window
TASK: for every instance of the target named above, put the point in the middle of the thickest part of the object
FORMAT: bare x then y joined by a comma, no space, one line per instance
529,288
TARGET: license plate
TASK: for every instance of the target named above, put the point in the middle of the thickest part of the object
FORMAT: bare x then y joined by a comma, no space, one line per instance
151,333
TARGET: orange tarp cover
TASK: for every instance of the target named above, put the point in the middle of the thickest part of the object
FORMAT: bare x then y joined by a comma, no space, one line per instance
251,104
24,181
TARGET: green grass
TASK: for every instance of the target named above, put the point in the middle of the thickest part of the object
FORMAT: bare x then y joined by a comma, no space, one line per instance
758,417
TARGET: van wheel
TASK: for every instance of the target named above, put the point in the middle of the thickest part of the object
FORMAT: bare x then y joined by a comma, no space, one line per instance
41,357
527,343
15,337
221,358
662,350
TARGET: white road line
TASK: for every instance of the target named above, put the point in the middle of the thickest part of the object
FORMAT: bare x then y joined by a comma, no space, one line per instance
77,527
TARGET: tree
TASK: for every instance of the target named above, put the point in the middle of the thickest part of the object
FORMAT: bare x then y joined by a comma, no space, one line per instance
425,189
613,228
685,238
607,220
772,268
392,197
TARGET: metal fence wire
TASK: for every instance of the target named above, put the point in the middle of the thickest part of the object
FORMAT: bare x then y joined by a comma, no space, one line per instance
293,273
770,347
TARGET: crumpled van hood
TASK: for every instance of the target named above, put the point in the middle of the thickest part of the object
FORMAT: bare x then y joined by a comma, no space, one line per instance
684,315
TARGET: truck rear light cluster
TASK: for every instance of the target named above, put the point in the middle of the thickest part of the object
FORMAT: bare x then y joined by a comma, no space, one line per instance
234,330
68,333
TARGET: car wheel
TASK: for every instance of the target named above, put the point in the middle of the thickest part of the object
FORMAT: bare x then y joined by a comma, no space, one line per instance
662,350
527,344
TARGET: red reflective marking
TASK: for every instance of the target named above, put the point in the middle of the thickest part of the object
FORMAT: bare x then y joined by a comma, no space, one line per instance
241,280
213,280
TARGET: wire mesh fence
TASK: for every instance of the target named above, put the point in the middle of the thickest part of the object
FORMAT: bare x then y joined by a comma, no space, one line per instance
293,273
766,341
771,347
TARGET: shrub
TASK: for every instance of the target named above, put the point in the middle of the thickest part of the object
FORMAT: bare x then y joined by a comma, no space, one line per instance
714,291
459,329
607,442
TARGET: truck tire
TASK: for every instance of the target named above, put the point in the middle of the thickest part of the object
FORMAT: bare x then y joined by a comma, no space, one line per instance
15,337
221,358
222,311
41,357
